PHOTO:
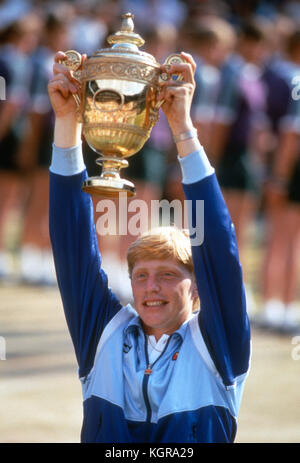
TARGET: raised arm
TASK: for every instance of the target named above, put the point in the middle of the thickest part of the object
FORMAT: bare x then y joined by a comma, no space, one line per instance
222,319
87,300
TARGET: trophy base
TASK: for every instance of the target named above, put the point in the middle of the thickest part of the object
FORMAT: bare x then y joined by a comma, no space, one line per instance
108,187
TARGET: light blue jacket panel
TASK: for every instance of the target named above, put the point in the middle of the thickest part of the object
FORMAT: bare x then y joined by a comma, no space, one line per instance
169,391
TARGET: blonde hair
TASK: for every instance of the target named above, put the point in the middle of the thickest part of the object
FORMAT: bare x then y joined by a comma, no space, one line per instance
163,243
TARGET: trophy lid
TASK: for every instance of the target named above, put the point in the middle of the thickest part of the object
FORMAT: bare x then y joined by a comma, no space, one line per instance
126,34
125,44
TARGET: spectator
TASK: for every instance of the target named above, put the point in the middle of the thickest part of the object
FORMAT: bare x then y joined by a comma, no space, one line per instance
151,13
88,29
210,39
282,204
20,39
35,258
240,109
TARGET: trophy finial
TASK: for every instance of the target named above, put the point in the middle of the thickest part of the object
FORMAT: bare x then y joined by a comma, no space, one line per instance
126,34
127,22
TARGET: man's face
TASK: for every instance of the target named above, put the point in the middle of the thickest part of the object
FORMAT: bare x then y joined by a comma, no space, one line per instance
163,292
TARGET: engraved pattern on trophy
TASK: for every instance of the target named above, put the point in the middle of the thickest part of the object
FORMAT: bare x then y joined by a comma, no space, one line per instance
117,104
133,72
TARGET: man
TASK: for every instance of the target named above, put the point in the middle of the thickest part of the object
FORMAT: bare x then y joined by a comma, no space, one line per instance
280,311
156,373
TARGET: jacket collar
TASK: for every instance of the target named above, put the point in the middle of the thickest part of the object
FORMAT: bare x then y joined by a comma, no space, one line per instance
135,326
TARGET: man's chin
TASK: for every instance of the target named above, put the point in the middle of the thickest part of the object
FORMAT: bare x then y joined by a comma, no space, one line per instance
151,325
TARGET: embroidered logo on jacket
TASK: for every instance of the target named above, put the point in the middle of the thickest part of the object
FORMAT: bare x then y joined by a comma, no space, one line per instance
126,348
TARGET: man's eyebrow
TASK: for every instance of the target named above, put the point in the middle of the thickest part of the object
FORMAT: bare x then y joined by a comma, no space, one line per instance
160,267
139,269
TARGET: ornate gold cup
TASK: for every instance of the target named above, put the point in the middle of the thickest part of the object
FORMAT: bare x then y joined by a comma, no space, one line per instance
117,104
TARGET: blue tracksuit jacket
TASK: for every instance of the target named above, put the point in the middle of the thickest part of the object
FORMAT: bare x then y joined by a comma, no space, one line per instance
194,391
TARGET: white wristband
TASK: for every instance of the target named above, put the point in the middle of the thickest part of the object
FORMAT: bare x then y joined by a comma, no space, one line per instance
186,135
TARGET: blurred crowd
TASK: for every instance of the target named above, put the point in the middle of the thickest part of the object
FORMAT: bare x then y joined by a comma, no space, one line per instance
246,109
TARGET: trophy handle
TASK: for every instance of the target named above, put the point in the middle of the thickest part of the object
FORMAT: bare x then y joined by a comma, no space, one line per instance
73,63
175,58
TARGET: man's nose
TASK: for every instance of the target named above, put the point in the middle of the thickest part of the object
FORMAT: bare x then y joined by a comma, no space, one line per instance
153,283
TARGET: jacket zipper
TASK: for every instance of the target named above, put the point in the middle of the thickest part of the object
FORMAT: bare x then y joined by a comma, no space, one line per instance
147,373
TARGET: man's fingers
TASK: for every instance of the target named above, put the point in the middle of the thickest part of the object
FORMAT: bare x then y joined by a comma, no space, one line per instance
179,89
62,73
186,69
168,92
62,84
62,69
72,83
187,57
60,56
176,84
58,86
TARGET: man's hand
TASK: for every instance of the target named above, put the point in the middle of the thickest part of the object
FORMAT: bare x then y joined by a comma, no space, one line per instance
178,95
62,87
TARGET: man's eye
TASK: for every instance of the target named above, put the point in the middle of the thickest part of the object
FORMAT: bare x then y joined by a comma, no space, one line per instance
168,274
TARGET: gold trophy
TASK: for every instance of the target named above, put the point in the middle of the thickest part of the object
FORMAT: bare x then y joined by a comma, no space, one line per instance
117,104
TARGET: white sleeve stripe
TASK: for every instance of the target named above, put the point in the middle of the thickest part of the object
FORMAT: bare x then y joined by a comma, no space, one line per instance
121,316
67,161
201,346
195,166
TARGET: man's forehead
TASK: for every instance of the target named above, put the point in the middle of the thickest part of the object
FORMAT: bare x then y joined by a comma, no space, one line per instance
158,264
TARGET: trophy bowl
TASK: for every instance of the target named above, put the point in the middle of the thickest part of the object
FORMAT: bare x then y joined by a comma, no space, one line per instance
117,104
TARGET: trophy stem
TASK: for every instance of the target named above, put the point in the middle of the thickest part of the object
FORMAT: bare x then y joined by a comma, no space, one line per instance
109,183
111,166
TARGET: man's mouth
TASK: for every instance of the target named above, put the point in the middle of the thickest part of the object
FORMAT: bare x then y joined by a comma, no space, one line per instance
156,303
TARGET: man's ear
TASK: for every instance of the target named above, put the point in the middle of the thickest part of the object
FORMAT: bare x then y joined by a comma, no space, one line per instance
195,297
195,294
